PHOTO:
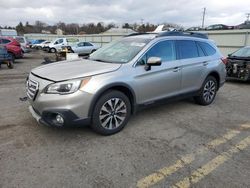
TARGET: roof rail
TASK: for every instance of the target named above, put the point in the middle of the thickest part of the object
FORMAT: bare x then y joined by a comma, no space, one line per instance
135,34
181,33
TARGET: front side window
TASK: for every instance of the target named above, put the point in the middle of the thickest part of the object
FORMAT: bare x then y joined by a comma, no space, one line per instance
187,49
164,50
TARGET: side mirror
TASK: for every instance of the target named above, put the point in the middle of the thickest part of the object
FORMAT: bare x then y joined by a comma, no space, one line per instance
152,61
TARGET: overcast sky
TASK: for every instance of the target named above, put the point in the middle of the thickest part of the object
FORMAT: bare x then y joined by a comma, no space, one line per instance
184,12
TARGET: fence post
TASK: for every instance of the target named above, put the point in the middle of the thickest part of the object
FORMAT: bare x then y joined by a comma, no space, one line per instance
246,38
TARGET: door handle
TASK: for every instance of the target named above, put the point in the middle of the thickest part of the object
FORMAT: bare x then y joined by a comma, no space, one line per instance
176,69
205,63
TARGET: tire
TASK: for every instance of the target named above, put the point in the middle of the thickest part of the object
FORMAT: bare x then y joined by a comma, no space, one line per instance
10,64
52,50
106,121
207,92
12,57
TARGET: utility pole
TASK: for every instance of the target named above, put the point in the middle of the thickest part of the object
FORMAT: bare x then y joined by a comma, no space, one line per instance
203,17
142,21
248,16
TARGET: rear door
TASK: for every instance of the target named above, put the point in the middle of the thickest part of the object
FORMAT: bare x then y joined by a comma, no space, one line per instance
193,64
161,81
88,47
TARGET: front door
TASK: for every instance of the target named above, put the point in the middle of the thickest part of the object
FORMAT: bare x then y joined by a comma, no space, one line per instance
161,81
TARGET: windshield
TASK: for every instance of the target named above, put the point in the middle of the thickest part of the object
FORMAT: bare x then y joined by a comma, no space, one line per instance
243,52
121,51
20,39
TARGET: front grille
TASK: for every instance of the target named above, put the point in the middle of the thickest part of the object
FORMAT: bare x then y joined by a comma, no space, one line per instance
31,88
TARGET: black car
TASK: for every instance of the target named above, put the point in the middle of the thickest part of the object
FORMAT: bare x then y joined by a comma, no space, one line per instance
5,57
194,29
238,64
245,25
219,27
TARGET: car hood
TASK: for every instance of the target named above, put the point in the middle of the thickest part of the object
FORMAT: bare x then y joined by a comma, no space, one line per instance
66,70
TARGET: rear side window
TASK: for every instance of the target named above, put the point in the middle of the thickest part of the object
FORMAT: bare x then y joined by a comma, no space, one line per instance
187,49
200,50
207,48
5,41
88,44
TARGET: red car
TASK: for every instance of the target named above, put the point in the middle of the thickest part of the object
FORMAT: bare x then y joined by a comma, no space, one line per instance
13,47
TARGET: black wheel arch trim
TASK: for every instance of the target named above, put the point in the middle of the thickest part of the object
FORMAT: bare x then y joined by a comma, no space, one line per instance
217,77
111,86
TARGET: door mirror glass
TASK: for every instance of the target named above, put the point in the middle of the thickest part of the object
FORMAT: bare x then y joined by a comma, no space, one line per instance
152,61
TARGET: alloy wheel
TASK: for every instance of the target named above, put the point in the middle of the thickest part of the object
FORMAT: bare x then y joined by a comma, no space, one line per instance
209,91
113,113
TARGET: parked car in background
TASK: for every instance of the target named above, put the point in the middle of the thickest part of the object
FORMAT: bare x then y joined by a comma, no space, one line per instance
238,64
5,57
245,25
219,27
24,43
13,47
41,45
194,29
35,42
83,48
123,76
57,44
46,46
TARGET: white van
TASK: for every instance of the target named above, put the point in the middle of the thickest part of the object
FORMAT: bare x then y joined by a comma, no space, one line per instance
55,45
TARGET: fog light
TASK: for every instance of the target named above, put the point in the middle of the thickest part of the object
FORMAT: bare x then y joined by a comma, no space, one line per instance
59,119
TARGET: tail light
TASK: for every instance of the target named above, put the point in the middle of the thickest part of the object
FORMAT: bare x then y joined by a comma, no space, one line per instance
224,60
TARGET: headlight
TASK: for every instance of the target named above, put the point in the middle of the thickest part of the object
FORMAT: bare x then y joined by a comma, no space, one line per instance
67,87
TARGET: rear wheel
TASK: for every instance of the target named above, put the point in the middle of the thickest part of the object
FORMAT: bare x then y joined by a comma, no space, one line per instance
52,50
111,113
208,91
10,64
12,57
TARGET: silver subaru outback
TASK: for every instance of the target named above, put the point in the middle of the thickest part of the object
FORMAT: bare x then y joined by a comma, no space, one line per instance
124,76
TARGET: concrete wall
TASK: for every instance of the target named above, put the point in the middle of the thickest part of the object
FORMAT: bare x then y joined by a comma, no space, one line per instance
228,41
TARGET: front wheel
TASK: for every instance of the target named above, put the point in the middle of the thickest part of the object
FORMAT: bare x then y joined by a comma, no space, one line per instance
10,64
208,91
111,113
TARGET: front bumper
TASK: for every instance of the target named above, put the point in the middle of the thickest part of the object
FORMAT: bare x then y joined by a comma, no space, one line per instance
48,118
